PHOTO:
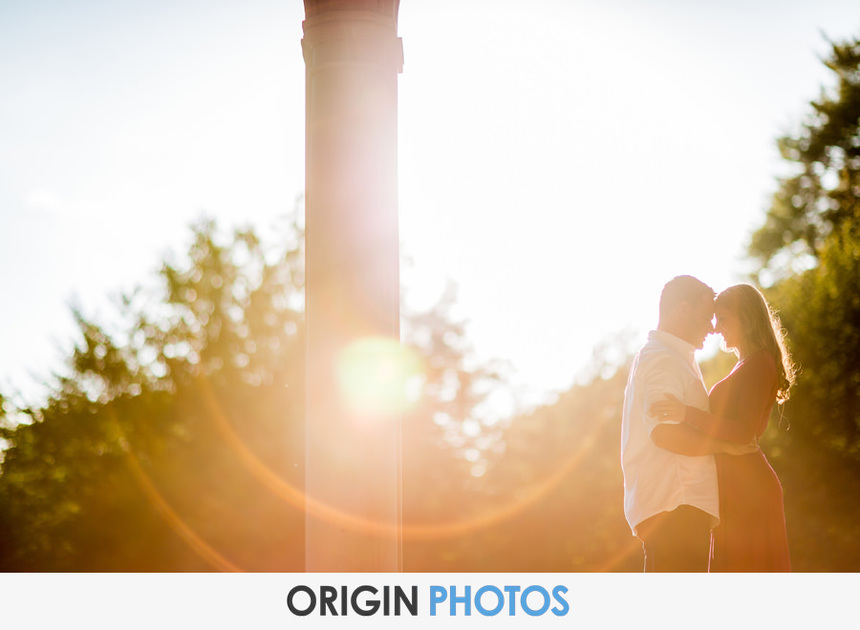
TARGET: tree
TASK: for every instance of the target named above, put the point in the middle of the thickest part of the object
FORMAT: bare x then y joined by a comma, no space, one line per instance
133,463
174,441
823,192
808,250
820,308
809,246
446,444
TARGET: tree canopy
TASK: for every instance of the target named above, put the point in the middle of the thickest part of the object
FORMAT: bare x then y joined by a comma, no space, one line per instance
174,439
816,216
822,192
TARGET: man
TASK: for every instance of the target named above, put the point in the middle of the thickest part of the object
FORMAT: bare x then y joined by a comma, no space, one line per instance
670,477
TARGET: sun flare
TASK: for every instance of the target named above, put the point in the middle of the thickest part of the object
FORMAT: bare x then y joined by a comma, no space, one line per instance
375,376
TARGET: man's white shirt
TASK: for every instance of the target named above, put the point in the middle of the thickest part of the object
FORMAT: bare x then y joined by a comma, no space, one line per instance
657,480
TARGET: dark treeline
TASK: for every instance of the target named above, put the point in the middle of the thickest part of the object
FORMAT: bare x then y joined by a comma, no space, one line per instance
173,440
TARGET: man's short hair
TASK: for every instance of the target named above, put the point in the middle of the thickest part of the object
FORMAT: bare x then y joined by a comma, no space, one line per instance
682,289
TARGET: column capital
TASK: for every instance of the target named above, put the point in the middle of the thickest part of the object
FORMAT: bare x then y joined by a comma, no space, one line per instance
384,7
351,31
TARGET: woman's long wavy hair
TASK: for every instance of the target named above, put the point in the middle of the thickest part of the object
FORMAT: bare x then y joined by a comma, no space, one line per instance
762,329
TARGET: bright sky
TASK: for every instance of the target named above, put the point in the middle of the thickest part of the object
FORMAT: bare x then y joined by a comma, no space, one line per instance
559,159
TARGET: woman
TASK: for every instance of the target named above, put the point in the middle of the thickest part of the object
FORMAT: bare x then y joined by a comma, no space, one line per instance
751,535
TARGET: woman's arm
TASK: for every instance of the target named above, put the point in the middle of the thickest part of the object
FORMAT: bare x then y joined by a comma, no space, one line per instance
752,385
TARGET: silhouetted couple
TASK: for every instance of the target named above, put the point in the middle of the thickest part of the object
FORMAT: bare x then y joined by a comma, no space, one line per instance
698,491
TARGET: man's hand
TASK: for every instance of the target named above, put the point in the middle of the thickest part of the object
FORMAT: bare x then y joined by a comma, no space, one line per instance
669,410
686,440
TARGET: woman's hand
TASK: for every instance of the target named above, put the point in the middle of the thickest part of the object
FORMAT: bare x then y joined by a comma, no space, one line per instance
731,448
669,410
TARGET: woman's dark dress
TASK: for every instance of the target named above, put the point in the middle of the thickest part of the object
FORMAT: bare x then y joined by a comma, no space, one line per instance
751,535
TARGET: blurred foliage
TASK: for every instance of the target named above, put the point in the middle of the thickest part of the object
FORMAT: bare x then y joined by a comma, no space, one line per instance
124,468
822,192
820,309
808,251
552,496
175,442
815,218
809,254
443,438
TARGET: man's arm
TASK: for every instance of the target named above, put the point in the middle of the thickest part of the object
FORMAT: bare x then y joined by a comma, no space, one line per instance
687,440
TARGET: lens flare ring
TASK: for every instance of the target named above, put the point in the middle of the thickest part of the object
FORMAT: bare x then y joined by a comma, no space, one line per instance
285,491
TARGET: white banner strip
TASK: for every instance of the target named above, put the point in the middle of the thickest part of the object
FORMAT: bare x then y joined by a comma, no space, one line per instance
426,600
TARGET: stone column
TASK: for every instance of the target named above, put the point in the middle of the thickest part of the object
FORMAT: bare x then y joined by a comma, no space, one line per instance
352,468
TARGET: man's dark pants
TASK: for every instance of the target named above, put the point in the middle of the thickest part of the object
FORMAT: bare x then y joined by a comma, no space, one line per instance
676,542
